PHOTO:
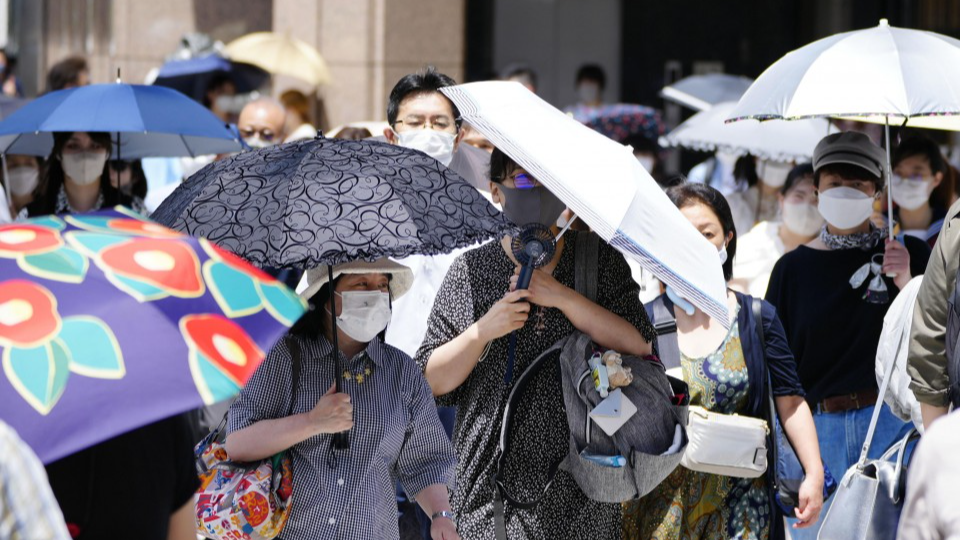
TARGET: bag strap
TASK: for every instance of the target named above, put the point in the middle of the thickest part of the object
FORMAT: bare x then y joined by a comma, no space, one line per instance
887,376
757,307
586,264
500,492
665,323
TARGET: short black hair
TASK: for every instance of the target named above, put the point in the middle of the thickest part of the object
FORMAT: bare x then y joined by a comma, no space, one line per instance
847,171
592,72
427,80
66,72
696,193
501,165
795,175
519,70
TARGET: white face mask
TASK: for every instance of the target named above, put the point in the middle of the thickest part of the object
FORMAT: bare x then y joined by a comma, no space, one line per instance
723,254
84,168
23,180
363,314
436,144
588,92
646,162
256,142
775,173
845,207
908,193
802,218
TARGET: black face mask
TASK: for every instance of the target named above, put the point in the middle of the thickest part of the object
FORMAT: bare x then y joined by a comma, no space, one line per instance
531,205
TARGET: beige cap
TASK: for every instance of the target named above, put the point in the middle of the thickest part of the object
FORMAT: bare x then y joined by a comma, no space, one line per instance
400,282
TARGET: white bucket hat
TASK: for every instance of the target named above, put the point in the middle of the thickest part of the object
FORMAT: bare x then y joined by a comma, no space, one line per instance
400,282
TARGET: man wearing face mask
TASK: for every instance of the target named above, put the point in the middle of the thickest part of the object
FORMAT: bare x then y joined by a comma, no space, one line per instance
832,295
800,222
262,123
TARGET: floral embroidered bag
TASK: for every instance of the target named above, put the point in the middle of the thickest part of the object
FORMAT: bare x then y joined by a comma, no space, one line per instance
243,501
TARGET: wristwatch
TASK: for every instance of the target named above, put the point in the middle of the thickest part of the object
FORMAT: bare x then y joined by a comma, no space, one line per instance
444,514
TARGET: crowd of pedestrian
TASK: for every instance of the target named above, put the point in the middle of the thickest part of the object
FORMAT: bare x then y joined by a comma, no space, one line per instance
812,270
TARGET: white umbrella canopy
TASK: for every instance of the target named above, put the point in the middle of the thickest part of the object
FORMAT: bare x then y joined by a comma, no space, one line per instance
602,183
775,141
702,92
881,74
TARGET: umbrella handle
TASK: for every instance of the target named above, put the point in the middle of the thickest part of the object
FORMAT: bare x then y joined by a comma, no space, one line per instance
889,188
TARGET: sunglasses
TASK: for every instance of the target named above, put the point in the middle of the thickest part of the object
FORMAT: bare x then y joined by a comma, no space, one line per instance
523,181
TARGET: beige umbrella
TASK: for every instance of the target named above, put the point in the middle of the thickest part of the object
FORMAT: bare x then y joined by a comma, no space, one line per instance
280,54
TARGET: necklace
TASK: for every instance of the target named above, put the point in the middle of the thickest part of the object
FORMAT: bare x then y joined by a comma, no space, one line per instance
360,376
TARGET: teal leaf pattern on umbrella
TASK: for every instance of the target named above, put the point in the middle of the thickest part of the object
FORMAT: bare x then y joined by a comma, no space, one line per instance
281,302
39,374
212,384
94,350
49,221
64,264
93,243
142,291
235,291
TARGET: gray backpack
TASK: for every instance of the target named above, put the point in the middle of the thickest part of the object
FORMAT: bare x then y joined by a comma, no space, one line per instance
661,415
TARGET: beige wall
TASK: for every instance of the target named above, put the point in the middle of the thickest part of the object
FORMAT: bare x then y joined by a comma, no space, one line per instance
368,44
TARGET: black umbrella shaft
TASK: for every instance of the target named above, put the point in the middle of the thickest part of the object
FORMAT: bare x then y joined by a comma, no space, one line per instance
341,441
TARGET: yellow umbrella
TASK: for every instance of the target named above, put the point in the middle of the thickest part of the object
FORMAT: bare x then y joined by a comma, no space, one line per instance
280,54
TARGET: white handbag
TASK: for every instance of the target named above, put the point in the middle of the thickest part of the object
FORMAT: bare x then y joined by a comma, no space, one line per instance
726,444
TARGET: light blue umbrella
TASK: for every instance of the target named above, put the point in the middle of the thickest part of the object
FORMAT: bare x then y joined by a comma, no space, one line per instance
145,121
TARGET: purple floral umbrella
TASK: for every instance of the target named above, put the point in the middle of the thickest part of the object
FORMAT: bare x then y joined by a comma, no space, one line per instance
109,322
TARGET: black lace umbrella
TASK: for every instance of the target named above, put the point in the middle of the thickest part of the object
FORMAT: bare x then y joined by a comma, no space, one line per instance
329,201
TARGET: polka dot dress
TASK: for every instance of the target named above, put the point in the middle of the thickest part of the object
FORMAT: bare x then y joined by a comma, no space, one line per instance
476,281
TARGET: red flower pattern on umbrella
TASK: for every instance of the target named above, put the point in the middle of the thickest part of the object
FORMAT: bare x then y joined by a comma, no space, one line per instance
28,314
221,353
168,265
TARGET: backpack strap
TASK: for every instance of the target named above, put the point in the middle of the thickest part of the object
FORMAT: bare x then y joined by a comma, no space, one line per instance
586,264
756,305
660,312
500,492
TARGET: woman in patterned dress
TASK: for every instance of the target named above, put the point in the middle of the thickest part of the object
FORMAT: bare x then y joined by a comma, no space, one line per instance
464,355
725,372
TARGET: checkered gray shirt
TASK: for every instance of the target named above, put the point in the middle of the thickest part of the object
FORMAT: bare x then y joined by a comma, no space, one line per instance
396,434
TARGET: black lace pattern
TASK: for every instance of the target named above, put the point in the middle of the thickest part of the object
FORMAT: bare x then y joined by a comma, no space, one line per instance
330,201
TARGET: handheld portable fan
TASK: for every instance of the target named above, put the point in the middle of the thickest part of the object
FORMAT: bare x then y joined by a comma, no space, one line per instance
533,246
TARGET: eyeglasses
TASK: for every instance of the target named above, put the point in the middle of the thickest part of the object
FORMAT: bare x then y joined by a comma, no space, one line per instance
265,134
439,123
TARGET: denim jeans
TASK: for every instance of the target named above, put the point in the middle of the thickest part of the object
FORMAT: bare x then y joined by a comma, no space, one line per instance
841,436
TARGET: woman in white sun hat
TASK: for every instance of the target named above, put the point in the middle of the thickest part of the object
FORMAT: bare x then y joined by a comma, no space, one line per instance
385,405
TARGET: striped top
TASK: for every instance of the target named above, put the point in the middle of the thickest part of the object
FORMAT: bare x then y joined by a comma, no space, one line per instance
396,435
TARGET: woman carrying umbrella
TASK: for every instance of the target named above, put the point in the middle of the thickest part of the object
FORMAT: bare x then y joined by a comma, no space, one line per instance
726,371
387,407
832,295
465,356
77,179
